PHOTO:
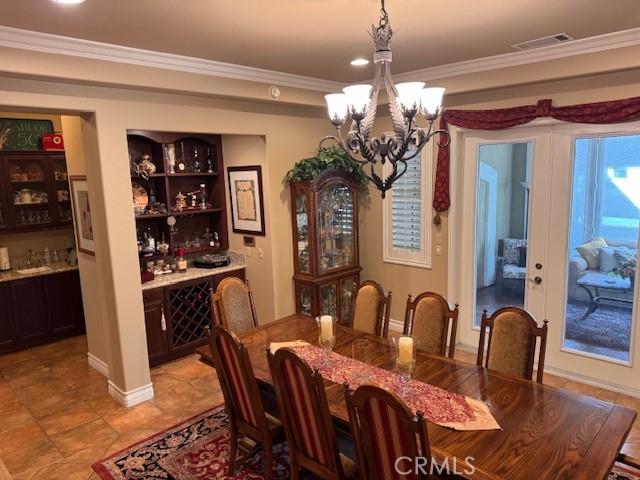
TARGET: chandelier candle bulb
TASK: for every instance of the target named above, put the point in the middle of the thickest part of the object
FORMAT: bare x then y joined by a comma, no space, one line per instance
326,327
405,350
409,94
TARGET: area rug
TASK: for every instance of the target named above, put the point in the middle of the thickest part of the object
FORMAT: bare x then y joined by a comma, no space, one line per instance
197,449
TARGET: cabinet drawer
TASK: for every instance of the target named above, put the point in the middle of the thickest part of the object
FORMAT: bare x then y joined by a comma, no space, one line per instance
152,295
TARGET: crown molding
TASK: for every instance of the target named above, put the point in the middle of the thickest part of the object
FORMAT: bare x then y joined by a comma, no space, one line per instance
600,43
57,44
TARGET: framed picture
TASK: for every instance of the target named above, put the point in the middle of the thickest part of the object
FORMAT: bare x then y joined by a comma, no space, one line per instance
82,214
247,204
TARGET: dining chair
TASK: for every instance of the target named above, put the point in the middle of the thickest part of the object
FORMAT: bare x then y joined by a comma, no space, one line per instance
429,319
232,305
305,413
511,347
242,400
384,429
370,309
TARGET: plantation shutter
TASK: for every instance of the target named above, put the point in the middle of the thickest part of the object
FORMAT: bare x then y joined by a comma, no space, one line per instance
406,211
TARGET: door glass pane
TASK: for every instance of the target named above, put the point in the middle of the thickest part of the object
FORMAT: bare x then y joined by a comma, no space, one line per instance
603,245
329,300
302,233
501,226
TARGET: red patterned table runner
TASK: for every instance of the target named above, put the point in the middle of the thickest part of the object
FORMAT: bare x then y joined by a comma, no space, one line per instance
437,405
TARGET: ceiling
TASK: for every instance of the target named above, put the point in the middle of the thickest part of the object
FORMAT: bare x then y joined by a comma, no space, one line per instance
318,38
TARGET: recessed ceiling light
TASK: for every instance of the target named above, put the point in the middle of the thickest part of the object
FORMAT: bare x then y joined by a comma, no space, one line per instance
69,2
359,62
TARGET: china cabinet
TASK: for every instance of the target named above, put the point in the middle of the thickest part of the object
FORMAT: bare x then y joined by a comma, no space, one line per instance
34,191
325,244
178,193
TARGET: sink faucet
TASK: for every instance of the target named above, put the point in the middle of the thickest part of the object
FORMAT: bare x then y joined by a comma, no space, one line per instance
30,258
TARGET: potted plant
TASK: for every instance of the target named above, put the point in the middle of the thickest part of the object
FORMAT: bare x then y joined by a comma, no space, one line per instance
330,158
627,269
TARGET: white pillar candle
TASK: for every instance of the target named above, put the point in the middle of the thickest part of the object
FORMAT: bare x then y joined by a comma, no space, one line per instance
326,327
405,350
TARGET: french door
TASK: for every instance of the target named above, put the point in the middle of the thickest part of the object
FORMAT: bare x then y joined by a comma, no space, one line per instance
501,257
547,218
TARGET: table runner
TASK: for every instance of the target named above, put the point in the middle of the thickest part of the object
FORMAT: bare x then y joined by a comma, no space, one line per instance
438,406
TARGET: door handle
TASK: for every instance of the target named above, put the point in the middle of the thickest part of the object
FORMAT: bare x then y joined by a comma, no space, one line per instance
536,280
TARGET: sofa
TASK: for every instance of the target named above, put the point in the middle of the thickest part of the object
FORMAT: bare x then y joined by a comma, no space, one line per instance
579,266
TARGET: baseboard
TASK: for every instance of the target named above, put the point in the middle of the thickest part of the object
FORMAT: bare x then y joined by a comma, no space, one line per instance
576,377
98,364
396,325
132,397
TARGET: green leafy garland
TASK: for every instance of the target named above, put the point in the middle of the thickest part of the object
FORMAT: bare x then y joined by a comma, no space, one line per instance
326,159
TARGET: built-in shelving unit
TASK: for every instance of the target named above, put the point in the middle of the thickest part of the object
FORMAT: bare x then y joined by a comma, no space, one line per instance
170,152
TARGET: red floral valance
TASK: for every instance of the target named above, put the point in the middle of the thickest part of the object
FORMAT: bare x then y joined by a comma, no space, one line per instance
602,112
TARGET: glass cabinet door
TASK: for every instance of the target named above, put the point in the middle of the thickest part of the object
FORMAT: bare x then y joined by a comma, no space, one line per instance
61,179
329,299
30,192
302,233
346,290
305,300
335,228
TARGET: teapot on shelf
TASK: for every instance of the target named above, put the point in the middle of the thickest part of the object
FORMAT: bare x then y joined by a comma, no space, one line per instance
144,167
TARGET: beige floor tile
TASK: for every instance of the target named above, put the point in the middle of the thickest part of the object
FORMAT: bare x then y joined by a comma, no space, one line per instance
35,376
16,418
128,439
95,391
60,349
104,405
31,457
61,422
82,378
57,403
16,357
8,398
145,415
30,396
97,433
19,438
188,369
554,380
79,343
583,389
64,471
18,369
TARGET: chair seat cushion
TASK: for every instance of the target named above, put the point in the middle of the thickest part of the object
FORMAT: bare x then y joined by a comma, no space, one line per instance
513,271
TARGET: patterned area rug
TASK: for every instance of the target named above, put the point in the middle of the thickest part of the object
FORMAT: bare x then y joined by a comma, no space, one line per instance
198,449
194,450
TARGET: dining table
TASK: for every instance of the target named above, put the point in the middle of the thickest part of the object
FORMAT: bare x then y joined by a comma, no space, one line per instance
546,432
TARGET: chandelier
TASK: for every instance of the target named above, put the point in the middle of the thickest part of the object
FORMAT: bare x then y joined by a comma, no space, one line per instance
360,102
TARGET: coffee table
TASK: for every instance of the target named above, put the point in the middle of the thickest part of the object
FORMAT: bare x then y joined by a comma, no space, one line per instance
597,284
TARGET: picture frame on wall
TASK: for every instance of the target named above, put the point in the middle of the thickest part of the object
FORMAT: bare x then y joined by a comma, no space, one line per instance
247,201
83,224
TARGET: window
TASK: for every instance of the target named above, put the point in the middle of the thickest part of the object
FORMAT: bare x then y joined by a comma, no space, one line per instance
605,196
407,214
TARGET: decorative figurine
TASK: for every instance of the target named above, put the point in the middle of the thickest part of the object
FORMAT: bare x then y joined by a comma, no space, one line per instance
145,167
181,201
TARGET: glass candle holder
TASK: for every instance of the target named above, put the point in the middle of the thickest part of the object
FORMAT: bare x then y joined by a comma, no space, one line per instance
405,358
327,336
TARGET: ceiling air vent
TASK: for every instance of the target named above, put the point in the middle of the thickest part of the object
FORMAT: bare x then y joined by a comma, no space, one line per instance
544,41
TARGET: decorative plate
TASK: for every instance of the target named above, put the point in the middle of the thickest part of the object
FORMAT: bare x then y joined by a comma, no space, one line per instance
140,196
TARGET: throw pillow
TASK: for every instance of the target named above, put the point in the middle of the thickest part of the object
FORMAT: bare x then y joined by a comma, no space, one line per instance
608,259
522,260
589,251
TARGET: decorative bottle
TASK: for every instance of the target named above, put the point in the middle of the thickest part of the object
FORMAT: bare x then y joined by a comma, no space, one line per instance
210,162
197,168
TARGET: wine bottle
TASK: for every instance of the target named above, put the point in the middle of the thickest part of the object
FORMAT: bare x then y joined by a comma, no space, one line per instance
196,161
210,162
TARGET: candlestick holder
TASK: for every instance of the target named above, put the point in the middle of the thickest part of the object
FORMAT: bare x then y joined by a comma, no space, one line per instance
405,359
327,336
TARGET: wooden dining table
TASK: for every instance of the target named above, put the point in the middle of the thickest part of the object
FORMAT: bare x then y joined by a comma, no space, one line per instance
547,433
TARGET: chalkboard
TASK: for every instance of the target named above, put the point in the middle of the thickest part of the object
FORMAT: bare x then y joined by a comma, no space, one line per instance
23,134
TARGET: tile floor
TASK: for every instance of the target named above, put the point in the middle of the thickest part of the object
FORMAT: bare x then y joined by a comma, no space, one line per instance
56,417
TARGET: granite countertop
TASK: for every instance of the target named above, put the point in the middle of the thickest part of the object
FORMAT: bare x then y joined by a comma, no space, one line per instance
13,274
192,273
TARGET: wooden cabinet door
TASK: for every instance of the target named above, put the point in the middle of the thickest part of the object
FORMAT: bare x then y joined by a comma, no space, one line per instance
7,322
30,310
155,324
64,303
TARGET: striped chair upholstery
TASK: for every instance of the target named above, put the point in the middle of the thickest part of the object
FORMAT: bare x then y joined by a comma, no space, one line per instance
427,319
241,397
511,347
232,305
308,425
370,309
384,430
